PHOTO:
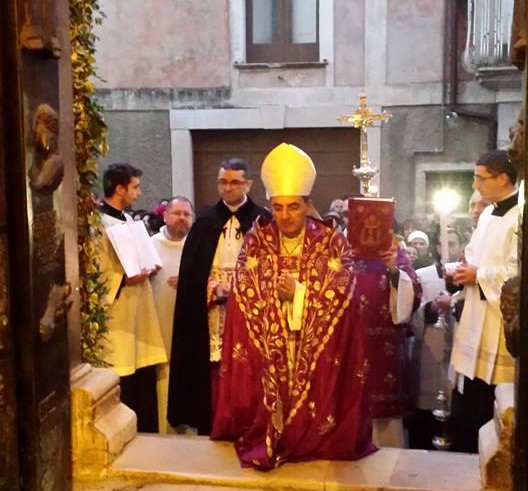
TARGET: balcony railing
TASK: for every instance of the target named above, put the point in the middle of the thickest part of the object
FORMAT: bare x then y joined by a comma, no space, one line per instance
489,34
488,44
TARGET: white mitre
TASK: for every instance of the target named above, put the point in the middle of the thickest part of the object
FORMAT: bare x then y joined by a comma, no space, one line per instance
288,171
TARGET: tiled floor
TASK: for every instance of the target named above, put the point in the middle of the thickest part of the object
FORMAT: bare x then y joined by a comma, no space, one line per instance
181,463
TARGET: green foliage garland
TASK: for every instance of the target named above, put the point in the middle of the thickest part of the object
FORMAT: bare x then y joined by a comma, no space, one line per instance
90,144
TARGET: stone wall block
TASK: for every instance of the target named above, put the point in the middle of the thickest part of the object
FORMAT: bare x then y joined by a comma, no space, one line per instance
495,442
101,424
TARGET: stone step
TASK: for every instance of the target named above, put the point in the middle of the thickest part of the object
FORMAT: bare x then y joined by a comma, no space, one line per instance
175,462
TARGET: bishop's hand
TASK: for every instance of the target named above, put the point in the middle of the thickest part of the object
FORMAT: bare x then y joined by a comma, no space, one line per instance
286,287
220,294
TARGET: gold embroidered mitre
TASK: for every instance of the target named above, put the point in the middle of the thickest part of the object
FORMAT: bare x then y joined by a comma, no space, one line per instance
288,171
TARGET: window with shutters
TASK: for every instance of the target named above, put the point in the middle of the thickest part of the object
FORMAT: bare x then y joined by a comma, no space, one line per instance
281,31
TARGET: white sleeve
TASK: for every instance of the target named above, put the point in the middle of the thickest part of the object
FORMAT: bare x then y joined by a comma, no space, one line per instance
492,278
111,270
402,299
418,321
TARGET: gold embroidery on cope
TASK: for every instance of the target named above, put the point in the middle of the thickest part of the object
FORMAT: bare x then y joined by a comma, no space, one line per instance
251,262
240,352
362,372
334,264
256,274
327,425
269,447
312,408
277,420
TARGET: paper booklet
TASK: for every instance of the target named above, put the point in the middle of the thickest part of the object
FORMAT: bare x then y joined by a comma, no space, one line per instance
370,225
133,247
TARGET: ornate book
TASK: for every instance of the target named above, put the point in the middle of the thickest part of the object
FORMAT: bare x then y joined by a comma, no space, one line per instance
370,225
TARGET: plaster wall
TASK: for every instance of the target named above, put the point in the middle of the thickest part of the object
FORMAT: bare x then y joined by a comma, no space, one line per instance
420,135
415,32
349,49
143,139
282,78
163,43
189,54
392,50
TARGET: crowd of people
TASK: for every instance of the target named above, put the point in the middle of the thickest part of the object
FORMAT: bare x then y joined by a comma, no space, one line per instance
263,326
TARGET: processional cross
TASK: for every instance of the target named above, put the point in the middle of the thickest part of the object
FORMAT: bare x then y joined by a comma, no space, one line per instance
361,118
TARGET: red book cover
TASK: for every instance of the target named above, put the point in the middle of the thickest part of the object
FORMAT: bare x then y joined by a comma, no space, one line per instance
370,225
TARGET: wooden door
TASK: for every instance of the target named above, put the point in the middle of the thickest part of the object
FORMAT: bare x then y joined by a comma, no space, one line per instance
31,172
334,151
8,420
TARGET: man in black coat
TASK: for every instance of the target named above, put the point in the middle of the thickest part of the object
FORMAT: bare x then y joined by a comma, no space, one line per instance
207,264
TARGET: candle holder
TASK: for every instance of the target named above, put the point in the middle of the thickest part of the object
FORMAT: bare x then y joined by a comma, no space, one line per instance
442,440
445,201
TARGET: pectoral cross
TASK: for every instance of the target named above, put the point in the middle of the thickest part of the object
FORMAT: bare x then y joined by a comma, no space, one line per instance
362,118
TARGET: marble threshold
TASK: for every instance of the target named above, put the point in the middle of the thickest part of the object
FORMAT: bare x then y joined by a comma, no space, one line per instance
193,463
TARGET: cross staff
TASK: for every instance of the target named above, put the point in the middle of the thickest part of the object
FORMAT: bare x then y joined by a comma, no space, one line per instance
362,118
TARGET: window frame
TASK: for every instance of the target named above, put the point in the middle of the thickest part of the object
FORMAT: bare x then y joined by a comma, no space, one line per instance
283,51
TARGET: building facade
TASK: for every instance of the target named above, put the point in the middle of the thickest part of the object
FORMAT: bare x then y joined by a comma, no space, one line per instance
185,84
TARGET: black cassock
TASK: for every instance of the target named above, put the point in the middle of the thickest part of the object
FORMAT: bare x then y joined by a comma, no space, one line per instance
190,368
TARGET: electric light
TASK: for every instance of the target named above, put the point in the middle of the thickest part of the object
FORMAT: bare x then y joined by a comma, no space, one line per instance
445,200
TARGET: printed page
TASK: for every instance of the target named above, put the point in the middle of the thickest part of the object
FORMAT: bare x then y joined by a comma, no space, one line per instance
133,247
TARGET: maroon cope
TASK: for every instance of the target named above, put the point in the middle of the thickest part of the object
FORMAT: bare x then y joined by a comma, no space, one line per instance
315,407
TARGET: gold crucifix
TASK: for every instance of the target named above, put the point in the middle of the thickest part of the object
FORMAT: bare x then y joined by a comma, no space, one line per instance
361,118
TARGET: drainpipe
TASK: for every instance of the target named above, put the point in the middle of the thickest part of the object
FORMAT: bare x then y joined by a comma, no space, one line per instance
452,109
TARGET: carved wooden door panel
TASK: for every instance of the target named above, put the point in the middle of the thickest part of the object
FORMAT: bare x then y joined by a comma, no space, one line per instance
35,243
8,426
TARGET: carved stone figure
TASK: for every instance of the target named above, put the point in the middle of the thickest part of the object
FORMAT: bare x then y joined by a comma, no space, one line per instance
516,148
519,38
48,169
59,302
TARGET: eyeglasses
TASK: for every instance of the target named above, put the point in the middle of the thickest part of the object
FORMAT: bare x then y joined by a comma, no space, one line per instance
235,183
478,178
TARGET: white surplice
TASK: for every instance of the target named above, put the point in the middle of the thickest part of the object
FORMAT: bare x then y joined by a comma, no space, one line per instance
479,348
134,337
165,298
